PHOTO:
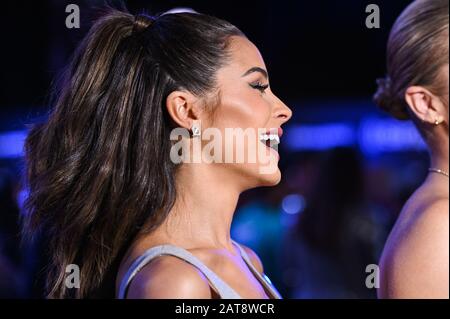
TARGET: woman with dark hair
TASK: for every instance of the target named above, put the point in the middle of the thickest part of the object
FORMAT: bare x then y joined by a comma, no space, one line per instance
415,261
103,186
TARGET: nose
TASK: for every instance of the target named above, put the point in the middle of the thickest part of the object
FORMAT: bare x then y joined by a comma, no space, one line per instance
281,111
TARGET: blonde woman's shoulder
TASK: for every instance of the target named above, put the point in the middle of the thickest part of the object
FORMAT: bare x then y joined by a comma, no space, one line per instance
415,263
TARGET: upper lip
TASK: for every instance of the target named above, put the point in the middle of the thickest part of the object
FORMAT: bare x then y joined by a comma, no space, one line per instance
278,131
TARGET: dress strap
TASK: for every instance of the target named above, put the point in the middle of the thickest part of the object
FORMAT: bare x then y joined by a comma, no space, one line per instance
263,279
222,288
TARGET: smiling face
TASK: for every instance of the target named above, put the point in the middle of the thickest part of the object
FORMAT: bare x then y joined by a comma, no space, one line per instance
247,103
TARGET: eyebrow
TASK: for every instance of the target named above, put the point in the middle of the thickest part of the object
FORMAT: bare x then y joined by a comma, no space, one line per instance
256,69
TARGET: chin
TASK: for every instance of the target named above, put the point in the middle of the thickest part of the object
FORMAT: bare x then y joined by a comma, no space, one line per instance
253,177
272,179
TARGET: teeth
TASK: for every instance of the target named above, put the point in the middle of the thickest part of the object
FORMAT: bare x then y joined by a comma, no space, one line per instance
274,138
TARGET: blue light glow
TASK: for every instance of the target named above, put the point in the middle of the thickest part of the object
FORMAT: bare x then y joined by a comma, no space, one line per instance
372,135
293,204
320,137
388,135
11,144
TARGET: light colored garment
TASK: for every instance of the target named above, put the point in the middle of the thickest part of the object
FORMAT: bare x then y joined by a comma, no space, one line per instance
222,288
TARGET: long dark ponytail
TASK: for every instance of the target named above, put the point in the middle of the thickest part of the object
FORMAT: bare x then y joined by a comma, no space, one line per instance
99,170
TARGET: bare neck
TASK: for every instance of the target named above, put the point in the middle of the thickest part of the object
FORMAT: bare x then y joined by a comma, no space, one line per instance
204,208
439,157
439,150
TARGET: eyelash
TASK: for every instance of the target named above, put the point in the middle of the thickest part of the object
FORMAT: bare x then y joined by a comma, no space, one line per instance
259,86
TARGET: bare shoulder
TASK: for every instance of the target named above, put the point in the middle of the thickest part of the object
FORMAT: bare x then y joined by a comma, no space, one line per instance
416,264
256,261
168,277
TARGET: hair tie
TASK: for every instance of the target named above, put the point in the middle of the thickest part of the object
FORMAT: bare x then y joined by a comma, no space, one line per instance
385,84
142,22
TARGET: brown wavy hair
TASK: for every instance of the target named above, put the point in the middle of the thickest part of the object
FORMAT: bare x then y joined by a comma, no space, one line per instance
99,169
416,51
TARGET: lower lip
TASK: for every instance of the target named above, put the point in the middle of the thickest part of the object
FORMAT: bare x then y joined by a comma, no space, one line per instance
273,151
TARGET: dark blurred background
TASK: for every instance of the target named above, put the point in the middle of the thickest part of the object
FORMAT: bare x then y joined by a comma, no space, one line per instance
347,167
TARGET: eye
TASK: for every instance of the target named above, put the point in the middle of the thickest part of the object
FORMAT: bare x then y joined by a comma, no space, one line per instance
259,86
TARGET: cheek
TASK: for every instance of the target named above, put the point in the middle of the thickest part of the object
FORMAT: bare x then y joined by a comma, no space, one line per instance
244,109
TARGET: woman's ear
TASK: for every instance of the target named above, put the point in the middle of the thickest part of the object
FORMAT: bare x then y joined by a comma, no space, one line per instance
181,107
426,106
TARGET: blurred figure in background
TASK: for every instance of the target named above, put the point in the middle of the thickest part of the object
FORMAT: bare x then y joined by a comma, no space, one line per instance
326,253
258,223
265,214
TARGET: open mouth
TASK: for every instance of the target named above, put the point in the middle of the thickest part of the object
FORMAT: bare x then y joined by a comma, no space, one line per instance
270,140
